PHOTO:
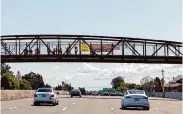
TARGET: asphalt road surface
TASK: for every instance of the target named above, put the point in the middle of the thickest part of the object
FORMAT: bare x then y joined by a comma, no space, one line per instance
89,105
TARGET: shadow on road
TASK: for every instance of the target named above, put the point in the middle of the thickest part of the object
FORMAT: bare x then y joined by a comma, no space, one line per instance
135,109
92,97
43,105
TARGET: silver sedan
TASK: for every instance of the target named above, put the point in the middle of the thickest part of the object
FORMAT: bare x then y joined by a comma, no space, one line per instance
135,98
45,95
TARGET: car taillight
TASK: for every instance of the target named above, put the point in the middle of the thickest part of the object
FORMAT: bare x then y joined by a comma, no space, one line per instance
52,95
128,97
35,95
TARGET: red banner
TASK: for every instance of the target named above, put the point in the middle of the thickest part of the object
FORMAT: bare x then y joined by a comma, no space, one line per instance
105,47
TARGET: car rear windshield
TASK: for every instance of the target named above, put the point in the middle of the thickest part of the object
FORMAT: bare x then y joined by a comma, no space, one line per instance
44,90
75,90
135,92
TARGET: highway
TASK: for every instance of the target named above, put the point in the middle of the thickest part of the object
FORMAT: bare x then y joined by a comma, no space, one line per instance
89,105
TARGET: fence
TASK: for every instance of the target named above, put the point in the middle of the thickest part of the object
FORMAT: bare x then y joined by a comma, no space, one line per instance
173,95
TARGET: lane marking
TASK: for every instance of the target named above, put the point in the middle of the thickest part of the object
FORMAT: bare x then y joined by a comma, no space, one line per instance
12,108
64,108
112,108
73,103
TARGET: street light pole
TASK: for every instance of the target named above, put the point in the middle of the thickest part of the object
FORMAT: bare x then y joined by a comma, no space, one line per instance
163,83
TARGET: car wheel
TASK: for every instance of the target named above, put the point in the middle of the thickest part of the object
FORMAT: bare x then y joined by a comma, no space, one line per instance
123,107
147,108
54,104
36,103
71,96
79,96
57,103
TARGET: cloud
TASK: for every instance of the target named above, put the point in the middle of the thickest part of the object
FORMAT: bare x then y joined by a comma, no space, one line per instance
131,72
87,68
88,75
54,68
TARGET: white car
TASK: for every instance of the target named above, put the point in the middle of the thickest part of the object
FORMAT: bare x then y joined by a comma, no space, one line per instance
46,95
135,98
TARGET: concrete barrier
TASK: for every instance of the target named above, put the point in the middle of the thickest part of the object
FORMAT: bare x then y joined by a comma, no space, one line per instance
7,95
16,94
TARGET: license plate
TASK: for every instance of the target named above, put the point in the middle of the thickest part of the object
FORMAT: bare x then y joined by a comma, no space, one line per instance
43,95
137,99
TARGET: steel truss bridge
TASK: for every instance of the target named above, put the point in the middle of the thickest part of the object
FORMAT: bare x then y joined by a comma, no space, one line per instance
20,48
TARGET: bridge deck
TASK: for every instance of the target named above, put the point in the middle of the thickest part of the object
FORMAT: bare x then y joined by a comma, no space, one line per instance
90,58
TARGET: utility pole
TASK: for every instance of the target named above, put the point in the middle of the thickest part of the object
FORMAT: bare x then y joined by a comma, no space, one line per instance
163,83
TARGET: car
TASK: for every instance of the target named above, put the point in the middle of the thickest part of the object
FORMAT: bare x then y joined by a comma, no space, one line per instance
135,98
45,95
88,93
118,93
112,94
75,92
105,94
94,93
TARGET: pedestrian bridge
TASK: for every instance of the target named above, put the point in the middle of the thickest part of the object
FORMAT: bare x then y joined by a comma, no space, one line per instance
88,48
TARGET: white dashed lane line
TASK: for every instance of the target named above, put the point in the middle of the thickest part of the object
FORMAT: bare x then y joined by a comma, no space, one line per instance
73,103
12,108
64,108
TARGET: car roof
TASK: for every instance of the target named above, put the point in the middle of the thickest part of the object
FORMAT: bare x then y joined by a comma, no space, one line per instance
135,90
45,88
75,90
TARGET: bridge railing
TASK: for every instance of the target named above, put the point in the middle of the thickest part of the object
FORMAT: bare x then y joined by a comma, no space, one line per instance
69,45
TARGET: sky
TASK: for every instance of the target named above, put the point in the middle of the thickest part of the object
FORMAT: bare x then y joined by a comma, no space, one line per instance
154,19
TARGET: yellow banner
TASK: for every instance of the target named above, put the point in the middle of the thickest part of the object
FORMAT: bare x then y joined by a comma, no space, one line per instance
85,48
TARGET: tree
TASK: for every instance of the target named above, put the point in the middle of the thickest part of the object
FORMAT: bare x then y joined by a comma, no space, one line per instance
18,76
147,83
83,91
123,87
25,85
36,80
157,83
59,87
9,82
47,85
5,68
131,85
116,82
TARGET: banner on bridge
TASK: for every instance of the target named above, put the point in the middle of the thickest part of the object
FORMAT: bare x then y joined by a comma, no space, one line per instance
85,48
105,47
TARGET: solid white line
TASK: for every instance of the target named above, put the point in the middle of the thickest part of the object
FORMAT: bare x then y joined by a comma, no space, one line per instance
64,108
